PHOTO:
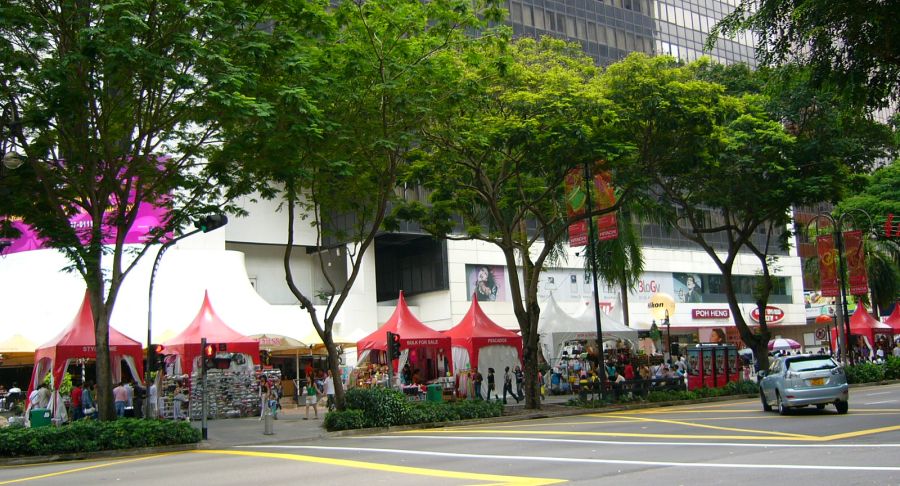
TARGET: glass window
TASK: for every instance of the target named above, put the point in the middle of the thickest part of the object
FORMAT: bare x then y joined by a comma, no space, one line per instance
527,18
582,29
592,32
539,18
515,12
571,31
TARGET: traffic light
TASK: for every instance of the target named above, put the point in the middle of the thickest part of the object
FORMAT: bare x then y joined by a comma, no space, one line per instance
155,353
158,349
393,346
209,355
211,222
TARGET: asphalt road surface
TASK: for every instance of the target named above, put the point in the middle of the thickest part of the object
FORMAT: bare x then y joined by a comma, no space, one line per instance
731,443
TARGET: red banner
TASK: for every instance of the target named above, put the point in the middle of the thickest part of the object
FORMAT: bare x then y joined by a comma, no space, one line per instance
827,265
856,262
576,203
605,197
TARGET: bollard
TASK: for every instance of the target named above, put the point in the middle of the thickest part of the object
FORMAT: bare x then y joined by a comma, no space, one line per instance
269,422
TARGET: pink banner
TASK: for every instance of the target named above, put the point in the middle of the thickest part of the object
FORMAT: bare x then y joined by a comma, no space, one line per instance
149,217
827,265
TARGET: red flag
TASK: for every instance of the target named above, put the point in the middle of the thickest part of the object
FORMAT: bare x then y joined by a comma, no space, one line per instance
576,204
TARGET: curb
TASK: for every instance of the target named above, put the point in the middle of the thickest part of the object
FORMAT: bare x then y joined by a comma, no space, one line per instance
79,456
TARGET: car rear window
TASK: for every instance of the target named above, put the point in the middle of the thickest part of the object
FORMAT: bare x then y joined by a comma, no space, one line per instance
811,364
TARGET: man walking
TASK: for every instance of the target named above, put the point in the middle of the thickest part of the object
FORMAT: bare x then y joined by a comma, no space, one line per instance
329,390
507,386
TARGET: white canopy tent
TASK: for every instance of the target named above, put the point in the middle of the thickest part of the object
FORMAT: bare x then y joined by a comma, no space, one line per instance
556,327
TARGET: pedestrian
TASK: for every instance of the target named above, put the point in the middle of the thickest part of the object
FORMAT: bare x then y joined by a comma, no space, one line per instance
153,396
491,384
178,403
628,372
120,398
311,395
329,390
75,400
520,382
89,401
478,380
507,385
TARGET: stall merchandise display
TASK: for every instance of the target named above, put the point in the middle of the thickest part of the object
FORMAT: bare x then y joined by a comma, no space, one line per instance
231,394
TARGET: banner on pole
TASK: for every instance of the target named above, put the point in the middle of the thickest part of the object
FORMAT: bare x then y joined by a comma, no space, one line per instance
827,265
576,204
605,198
856,262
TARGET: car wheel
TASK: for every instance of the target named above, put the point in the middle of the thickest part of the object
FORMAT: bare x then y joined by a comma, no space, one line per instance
841,406
765,403
820,406
782,409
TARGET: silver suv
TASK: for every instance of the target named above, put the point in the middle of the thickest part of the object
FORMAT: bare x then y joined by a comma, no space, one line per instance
799,381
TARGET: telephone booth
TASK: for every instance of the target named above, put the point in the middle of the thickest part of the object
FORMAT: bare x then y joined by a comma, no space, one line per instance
712,365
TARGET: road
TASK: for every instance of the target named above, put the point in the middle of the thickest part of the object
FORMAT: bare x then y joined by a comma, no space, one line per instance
732,442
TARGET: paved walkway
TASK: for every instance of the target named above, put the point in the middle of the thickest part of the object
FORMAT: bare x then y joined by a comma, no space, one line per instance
291,425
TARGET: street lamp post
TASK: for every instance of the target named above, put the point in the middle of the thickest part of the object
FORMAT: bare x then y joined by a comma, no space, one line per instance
842,312
204,225
668,336
588,180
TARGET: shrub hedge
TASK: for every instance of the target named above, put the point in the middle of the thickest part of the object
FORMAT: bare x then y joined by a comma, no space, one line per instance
872,372
93,435
733,388
383,407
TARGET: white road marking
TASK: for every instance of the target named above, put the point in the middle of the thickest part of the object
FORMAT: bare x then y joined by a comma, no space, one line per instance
640,444
879,393
570,460
878,403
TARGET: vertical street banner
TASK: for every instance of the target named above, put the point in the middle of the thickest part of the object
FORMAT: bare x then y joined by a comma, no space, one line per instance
576,204
827,265
856,262
605,198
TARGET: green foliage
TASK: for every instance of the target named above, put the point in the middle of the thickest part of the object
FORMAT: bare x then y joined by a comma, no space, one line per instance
865,373
892,368
92,435
348,419
383,407
65,387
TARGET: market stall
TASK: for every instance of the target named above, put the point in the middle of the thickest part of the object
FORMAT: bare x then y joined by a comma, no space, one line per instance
232,386
864,330
426,351
77,342
275,348
558,330
478,343
893,320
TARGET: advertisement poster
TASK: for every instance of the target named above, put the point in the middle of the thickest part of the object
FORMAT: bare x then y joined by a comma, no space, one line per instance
487,282
687,288
605,197
576,204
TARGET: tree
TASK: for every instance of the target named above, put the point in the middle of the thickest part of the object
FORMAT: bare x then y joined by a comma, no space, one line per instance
106,104
693,137
356,93
853,44
527,114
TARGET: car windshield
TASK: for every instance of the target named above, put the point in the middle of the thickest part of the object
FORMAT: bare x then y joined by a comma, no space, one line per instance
810,364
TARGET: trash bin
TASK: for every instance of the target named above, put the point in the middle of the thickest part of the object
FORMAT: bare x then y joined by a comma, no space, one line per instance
39,417
435,393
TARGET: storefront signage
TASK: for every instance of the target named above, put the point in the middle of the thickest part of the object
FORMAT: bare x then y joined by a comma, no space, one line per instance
498,340
710,313
93,349
421,342
773,314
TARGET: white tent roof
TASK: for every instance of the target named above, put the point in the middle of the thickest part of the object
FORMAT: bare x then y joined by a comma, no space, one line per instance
556,326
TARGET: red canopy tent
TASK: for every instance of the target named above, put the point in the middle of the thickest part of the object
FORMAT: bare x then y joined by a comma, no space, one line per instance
893,320
475,335
418,342
863,324
77,341
479,343
209,325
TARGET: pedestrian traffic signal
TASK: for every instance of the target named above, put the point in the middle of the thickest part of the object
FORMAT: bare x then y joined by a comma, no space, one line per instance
211,222
393,346
158,348
209,351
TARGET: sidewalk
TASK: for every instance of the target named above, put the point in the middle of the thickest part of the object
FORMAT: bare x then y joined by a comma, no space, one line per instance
291,426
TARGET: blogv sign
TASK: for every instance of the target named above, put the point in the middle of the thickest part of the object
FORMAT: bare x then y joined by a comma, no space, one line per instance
774,315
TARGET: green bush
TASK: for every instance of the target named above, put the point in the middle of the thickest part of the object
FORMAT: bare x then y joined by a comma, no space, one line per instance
864,373
892,368
92,435
383,407
345,420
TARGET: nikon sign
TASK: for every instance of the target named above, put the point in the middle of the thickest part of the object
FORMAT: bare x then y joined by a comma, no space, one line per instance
661,305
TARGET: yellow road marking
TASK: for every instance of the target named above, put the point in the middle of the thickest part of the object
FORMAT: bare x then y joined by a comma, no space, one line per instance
419,471
858,433
85,468
714,427
618,434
